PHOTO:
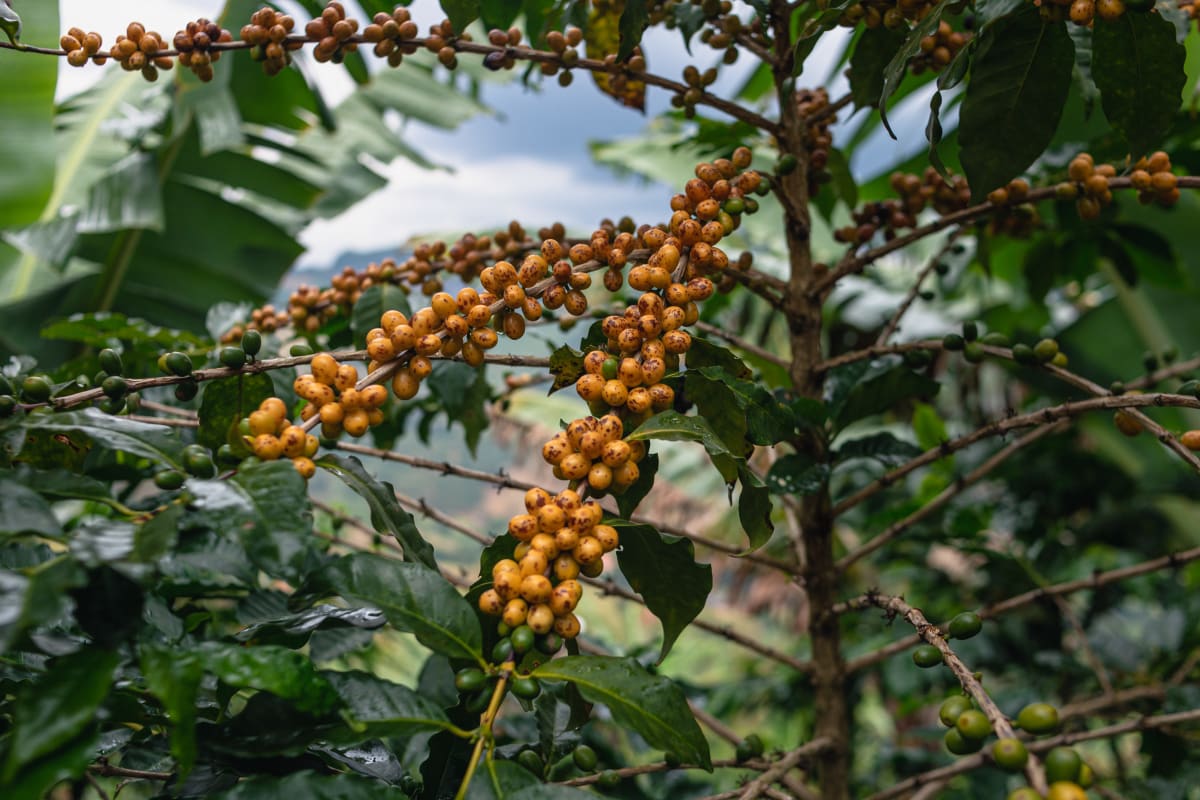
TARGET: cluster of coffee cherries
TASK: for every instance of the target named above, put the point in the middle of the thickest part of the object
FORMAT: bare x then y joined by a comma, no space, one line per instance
270,435
1154,180
332,397
137,51
938,49
723,27
194,44
82,47
1013,216
440,41
333,32
1088,185
915,194
593,449
560,537
891,14
566,44
391,35
1084,12
268,32
696,82
817,138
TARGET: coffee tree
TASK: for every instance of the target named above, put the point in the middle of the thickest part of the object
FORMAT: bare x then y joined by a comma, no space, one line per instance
949,406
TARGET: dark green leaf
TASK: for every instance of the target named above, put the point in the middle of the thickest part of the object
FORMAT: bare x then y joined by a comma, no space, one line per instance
566,365
881,392
386,513
293,630
27,116
461,13
378,708
500,780
1020,78
23,510
91,427
634,17
378,298
545,791
754,510
415,599
35,594
1153,255
56,709
689,19
629,500
897,67
764,420
499,13
883,447
675,427
872,52
665,573
703,353
649,704
225,402
312,786
796,474
1138,67
463,392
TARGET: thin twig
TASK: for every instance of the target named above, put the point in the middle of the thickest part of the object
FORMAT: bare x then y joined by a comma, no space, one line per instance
895,606
106,770
739,342
1096,581
662,766
915,290
783,766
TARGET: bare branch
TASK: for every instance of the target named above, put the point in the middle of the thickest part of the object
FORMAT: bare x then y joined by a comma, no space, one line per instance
741,343
781,767
915,290
1097,580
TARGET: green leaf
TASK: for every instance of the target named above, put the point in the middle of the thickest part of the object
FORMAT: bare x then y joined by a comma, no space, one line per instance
68,761
543,791
312,786
175,681
378,298
266,506
1138,66
127,196
754,510
386,513
56,709
883,447
23,510
1020,78
499,13
877,394
634,17
566,365
293,630
703,353
664,572
651,705
796,474
1153,255
629,500
461,13
897,67
763,419
463,392
378,708
872,52
415,599
33,595
675,427
928,427
27,161
91,428
223,403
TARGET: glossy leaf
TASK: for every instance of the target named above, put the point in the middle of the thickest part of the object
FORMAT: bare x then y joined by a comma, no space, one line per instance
225,402
762,418
377,299
872,52
386,514
675,427
897,67
797,475
883,447
23,510
1138,67
378,708
634,18
461,13
879,392
500,780
56,709
312,786
91,428
566,365
293,630
649,704
632,497
665,573
1020,78
415,599
35,594
27,116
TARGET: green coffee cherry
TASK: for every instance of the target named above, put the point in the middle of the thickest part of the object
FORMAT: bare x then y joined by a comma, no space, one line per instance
177,363
233,357
526,687
1038,718
960,745
531,761
973,724
786,164
1023,354
927,656
300,350
585,758
1062,764
502,651
970,331
227,457
548,643
916,359
522,639
114,387
973,352
952,341
470,680
965,625
110,361
169,479
198,461
1045,350
35,389
1010,754
609,779
952,708
995,339
251,343
186,391
750,747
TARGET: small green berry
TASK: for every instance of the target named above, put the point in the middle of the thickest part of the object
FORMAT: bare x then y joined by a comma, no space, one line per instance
526,687
970,331
470,679
952,708
110,361
300,350
251,342
169,479
965,625
585,758
1045,350
952,341
35,389
973,724
960,745
1010,754
1038,718
115,387
233,357
927,656
1023,354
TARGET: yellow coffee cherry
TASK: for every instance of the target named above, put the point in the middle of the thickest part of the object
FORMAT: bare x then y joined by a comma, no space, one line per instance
567,626
324,368
267,447
304,466
515,612
540,618
491,603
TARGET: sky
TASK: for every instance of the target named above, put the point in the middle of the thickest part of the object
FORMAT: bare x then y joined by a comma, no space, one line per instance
540,136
